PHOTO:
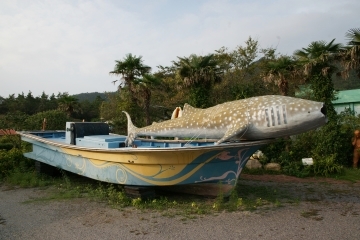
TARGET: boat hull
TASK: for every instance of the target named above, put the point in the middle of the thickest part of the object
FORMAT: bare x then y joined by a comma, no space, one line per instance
218,166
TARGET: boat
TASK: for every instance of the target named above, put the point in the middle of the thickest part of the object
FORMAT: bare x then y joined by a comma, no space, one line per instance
216,144
193,166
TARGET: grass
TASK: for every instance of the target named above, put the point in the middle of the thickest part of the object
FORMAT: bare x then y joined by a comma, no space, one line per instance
349,174
28,179
71,186
245,197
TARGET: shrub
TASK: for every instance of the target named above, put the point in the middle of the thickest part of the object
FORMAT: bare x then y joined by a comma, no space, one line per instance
13,160
55,120
6,146
325,166
13,120
329,146
274,150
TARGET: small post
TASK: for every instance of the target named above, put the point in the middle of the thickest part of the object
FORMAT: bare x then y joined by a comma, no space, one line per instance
44,125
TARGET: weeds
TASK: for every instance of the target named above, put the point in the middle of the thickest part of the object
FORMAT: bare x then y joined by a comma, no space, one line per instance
70,186
348,174
28,179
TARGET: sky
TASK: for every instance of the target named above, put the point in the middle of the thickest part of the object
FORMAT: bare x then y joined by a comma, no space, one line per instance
71,45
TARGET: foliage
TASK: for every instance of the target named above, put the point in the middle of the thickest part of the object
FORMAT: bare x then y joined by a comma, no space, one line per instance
111,112
15,110
144,87
130,69
329,146
68,104
272,151
280,72
318,61
13,160
90,97
13,120
6,146
28,178
325,166
13,140
348,174
90,109
199,74
27,104
55,120
350,57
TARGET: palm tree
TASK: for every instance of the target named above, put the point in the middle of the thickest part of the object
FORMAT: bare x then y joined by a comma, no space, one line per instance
317,60
144,88
351,56
317,54
199,73
68,104
280,72
353,36
130,68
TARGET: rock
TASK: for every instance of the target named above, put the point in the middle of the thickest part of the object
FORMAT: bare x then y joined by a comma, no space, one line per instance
272,167
253,164
257,155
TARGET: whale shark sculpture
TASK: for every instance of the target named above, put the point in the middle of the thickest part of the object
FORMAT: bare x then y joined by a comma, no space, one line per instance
253,118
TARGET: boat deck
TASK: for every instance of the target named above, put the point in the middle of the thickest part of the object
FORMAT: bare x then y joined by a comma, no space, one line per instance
118,141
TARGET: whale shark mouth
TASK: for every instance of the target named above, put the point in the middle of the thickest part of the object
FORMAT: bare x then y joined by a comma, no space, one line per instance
323,110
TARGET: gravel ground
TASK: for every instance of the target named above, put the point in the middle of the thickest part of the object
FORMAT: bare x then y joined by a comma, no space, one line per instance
327,210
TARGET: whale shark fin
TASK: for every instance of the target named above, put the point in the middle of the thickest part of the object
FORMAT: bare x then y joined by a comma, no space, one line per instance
188,109
235,130
131,131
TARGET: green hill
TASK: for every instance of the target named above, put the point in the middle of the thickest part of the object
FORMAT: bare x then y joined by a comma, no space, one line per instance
90,96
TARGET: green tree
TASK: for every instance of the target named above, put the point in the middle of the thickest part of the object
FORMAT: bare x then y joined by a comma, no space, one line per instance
350,58
281,71
242,72
90,109
111,111
13,120
244,56
31,104
130,68
144,89
55,120
68,104
199,73
318,63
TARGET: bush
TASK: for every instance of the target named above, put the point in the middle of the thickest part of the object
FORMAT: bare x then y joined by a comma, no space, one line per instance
13,120
13,160
274,150
6,146
55,120
10,140
325,166
329,146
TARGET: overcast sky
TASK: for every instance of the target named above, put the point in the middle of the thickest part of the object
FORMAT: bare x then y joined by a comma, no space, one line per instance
71,46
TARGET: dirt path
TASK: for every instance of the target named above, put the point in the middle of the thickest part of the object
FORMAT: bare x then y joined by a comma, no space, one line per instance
325,210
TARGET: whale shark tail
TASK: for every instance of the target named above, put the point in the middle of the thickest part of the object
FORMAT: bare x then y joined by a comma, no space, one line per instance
131,130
